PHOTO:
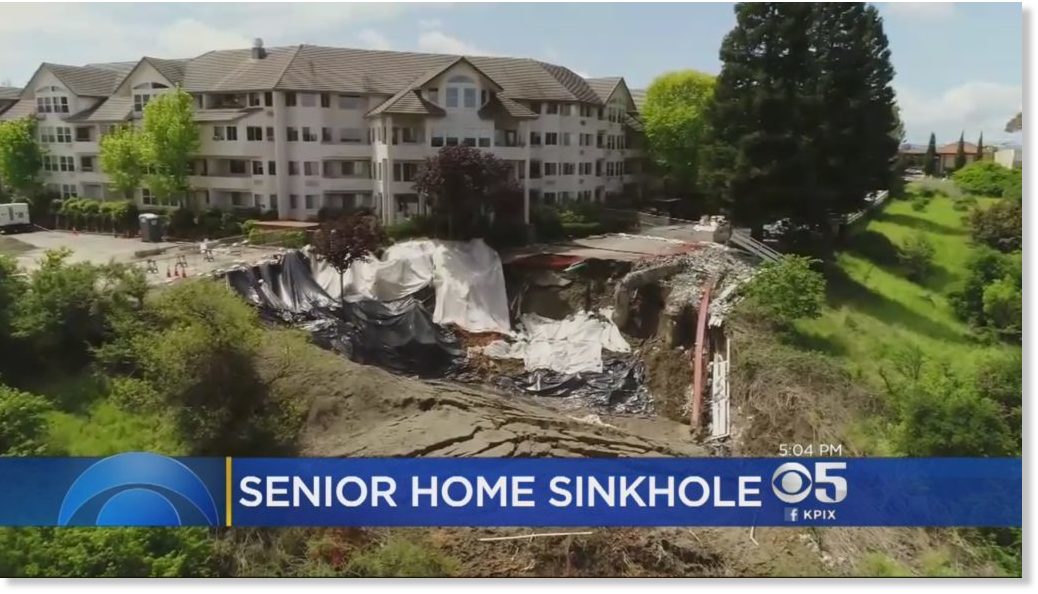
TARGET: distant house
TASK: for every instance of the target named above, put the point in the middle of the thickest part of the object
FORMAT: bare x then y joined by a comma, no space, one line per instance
1010,157
946,156
8,97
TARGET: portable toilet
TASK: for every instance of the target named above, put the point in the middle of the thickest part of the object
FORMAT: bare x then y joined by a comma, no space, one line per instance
151,227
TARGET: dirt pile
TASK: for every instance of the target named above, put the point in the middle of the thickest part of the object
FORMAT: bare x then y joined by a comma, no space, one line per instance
358,410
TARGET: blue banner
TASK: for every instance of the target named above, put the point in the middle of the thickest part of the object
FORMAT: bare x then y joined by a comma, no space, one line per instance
139,489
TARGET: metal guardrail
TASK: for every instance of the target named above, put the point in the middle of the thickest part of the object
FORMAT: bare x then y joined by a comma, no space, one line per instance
757,248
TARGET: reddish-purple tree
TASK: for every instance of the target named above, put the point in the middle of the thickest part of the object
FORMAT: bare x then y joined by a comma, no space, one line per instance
466,188
341,242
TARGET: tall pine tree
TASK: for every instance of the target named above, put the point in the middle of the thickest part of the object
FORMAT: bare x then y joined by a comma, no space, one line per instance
804,122
930,160
960,152
980,147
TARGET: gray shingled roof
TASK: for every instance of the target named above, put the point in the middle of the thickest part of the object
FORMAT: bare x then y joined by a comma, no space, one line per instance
407,102
573,82
604,87
639,98
172,70
235,70
22,108
114,109
97,80
10,93
84,114
221,115
499,104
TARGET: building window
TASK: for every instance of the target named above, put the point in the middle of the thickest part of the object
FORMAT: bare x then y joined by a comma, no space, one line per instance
293,167
309,135
257,167
310,168
236,167
568,169
292,134
436,139
452,96
405,172
566,109
349,102
326,100
257,201
567,138
270,133
469,141
253,133
293,200
147,197
139,101
290,99
67,163
311,200
551,169
64,134
268,99
83,134
254,100
535,106
535,138
484,141
326,134
69,191
86,163
272,168
535,169
551,108
461,92
452,141
308,99
351,135
551,138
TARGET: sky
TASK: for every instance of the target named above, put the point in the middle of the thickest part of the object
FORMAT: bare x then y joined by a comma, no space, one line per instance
959,66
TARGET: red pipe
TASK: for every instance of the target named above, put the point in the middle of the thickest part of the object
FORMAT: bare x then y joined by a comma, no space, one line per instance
698,375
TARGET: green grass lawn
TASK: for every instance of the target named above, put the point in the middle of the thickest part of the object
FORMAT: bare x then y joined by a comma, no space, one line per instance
874,310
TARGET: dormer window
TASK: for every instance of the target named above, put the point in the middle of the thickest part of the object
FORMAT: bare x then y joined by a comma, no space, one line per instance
142,94
461,92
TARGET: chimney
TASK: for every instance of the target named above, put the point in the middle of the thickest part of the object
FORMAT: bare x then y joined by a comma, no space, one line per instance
258,53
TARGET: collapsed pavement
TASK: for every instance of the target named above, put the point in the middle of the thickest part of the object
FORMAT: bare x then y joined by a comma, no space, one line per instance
620,325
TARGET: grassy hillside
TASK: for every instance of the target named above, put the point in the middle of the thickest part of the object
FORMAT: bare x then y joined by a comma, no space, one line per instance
874,311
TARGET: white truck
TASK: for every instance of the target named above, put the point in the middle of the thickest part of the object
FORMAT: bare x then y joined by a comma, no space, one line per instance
14,218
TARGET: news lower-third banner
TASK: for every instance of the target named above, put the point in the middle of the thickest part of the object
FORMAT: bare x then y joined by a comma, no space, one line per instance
141,489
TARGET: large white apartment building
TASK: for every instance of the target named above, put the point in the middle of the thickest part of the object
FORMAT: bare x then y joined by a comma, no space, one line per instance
304,127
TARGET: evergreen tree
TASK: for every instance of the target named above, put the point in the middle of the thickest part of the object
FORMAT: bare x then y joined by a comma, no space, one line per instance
980,147
804,122
960,152
930,160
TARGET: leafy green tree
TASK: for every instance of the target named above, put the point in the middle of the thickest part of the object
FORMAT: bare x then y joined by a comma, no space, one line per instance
171,140
1000,225
12,287
21,157
984,178
788,289
916,254
23,423
930,159
956,423
1004,307
984,267
960,152
675,124
123,159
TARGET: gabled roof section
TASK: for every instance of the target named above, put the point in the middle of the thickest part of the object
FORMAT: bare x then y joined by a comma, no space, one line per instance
953,148
21,109
82,115
433,73
171,70
236,70
113,109
638,95
499,104
573,83
96,80
222,115
10,93
409,102
604,87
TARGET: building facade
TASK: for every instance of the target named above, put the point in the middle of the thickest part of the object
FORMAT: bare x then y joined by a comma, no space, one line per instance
296,129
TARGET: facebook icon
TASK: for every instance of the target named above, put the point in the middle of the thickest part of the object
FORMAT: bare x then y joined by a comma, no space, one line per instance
791,514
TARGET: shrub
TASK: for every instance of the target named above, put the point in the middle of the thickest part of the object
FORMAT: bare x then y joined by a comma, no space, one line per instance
936,422
1003,307
984,178
1000,225
23,423
400,557
788,289
983,267
920,202
418,226
182,223
916,255
283,238
546,223
932,186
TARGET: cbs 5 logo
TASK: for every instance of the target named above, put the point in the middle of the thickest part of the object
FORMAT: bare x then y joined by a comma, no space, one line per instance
792,482
138,489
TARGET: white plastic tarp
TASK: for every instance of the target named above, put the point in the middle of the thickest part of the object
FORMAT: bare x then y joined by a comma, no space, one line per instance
571,345
466,275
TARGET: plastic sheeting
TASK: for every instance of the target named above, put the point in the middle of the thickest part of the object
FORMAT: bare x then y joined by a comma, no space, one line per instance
399,335
568,346
619,388
467,277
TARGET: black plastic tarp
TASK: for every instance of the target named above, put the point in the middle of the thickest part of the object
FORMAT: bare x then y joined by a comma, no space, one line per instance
398,335
620,388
